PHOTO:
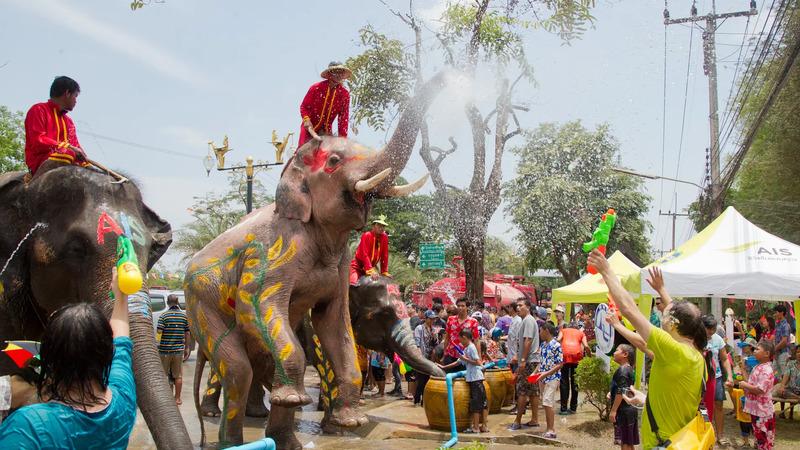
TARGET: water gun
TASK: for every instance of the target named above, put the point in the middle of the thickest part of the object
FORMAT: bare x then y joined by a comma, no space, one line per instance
612,306
402,365
600,236
129,276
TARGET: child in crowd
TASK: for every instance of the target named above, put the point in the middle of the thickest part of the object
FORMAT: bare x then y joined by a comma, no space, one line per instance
758,396
478,404
379,363
790,383
552,360
745,421
623,415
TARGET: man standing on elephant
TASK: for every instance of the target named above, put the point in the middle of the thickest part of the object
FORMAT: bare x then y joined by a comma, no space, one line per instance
174,329
49,132
324,102
373,249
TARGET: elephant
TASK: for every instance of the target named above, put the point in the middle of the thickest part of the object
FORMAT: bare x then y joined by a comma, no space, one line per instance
379,321
58,243
248,289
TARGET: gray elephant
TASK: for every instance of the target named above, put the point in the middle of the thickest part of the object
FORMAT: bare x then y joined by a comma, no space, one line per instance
248,290
379,321
58,243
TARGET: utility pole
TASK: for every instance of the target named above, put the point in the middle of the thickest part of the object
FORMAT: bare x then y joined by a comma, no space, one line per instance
710,69
674,216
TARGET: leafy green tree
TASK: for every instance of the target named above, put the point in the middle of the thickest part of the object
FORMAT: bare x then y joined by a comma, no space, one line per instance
563,187
12,140
214,213
485,34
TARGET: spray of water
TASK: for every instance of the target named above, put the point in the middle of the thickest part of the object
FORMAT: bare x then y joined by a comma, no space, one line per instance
38,225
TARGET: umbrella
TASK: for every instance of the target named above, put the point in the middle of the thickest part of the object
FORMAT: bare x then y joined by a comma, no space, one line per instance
22,351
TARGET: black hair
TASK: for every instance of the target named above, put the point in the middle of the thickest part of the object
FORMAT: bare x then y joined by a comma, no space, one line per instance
77,350
62,85
709,322
525,300
172,300
480,304
437,308
437,300
771,323
779,308
466,333
768,347
504,308
462,299
550,328
689,323
631,351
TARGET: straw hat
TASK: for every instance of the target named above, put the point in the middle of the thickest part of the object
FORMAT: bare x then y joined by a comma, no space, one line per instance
380,220
336,65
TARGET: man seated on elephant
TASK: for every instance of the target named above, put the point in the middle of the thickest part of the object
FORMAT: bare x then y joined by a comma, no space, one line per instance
49,132
373,249
324,102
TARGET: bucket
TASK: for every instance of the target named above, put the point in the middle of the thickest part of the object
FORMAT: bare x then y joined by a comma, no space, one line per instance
509,376
434,402
496,380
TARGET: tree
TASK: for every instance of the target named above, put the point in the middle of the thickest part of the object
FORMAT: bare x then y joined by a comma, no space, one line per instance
563,187
487,32
214,213
12,140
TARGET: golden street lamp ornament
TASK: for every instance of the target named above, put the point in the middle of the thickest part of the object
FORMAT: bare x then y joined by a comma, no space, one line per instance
280,145
219,153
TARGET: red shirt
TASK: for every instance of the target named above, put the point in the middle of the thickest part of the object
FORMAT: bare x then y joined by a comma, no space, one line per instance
47,129
571,344
454,329
321,105
370,252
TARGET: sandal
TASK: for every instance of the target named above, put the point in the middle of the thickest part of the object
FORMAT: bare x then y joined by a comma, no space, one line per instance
531,425
549,435
484,431
724,442
470,431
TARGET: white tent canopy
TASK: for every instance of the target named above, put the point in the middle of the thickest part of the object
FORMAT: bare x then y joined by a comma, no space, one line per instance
731,258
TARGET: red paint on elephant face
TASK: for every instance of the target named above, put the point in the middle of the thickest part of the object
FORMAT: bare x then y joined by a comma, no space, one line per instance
400,309
318,160
104,225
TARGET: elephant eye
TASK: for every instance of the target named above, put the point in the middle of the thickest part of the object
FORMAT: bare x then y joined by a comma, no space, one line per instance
334,160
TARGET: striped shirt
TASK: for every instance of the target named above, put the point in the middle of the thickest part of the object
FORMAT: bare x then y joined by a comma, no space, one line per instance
172,325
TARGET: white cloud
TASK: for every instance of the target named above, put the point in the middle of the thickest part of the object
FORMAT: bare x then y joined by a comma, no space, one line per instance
135,47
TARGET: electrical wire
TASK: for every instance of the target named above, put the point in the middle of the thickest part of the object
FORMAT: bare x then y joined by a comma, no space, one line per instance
142,146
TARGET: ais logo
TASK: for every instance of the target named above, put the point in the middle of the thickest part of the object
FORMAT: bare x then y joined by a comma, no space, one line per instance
761,250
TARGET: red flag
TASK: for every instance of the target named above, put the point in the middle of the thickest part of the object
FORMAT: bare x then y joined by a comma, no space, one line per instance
748,304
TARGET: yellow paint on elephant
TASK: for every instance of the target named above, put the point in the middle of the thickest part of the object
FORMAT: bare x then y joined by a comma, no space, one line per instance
233,393
287,350
350,330
245,318
286,256
330,377
210,391
325,399
316,342
334,392
231,263
250,263
215,270
269,291
214,378
193,267
320,368
247,277
1,288
249,237
212,260
202,321
324,386
245,296
203,279
223,369
232,413
268,315
250,251
210,345
275,250
277,328
319,352
230,250
357,382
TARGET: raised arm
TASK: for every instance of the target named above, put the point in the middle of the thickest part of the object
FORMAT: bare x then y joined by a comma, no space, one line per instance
625,303
635,340
119,315
656,281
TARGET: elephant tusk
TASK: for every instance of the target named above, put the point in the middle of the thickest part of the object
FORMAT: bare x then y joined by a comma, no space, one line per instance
368,185
400,191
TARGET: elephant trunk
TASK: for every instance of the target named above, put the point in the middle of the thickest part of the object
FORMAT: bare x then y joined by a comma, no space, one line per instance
398,150
153,392
402,343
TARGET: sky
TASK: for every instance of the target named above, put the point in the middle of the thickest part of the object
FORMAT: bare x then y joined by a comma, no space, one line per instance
165,80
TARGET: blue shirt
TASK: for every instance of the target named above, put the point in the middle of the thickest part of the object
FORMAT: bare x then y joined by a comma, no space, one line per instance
782,330
57,426
551,356
173,327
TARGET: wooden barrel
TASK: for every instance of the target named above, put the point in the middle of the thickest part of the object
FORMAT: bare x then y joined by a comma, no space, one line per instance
498,384
509,397
434,401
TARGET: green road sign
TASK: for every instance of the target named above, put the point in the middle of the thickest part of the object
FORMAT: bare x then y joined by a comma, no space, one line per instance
431,256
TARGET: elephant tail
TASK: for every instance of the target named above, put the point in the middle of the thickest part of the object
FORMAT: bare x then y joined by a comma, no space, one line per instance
198,373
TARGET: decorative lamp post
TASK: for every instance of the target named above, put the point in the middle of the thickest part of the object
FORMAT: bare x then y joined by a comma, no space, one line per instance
219,153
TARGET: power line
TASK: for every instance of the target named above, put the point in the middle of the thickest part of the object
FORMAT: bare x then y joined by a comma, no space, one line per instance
142,146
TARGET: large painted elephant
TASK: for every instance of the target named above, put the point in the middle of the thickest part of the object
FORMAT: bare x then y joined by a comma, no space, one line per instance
248,290
58,241
379,321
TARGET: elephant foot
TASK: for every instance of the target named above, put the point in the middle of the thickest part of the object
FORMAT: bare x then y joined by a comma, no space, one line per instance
209,409
256,410
348,417
287,442
289,396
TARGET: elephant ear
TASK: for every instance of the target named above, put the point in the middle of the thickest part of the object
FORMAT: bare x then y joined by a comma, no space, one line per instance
13,226
160,230
293,197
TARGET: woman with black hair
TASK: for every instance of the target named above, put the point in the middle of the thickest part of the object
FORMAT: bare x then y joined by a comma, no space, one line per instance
86,382
679,369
